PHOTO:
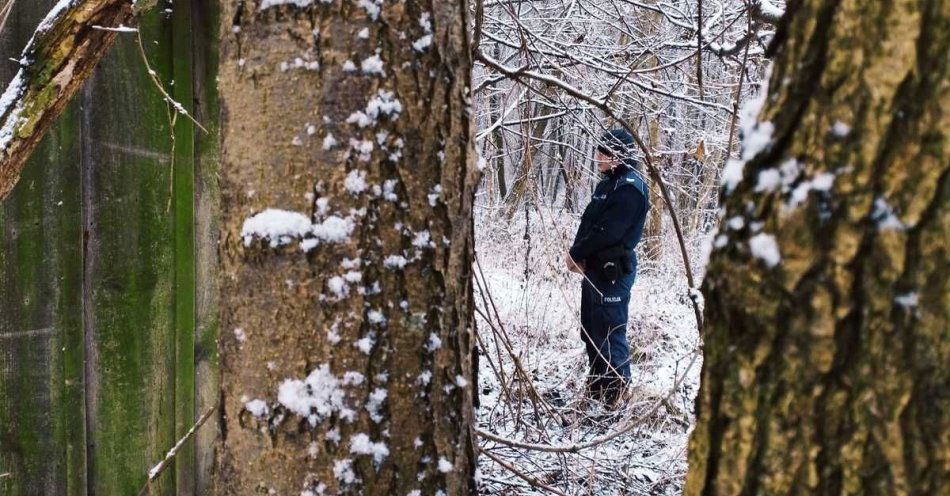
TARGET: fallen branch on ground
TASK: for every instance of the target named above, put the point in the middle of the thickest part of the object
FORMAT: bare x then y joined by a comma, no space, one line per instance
162,465
523,476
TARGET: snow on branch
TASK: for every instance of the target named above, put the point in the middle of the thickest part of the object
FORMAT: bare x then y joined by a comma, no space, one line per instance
157,470
767,11
66,46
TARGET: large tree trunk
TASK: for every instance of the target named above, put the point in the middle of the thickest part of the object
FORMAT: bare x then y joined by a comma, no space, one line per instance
826,353
353,327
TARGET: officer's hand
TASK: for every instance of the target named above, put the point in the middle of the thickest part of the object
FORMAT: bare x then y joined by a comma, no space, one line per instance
572,265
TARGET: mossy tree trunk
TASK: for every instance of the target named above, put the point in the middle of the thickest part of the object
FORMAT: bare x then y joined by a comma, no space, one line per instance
386,344
826,353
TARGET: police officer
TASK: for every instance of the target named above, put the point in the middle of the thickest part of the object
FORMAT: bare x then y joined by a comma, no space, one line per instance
603,250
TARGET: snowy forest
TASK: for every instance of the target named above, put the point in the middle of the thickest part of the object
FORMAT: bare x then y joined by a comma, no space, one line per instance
475,247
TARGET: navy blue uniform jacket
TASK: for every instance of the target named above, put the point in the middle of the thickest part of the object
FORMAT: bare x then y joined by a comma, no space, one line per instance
615,216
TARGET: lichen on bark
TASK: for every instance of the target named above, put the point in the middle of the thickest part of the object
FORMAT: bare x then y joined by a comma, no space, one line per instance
826,374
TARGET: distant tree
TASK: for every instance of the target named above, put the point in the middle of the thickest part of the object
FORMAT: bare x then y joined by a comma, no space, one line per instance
827,337
346,315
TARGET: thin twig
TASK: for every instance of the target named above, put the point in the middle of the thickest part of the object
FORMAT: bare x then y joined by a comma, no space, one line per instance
738,99
506,341
4,15
179,108
162,465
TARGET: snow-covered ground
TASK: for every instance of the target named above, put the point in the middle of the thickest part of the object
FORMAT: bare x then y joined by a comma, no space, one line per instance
528,307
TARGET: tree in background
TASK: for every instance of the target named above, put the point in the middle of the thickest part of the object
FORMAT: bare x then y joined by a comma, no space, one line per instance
826,337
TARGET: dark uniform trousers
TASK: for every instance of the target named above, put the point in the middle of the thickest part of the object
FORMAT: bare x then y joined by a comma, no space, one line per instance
604,307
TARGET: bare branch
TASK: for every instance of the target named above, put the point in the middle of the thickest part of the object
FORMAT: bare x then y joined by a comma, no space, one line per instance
527,478
5,13
162,465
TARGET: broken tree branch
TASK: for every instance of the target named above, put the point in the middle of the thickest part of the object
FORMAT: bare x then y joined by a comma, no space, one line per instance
162,465
523,476
63,52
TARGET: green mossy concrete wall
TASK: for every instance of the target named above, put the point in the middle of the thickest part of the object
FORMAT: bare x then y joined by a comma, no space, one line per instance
107,324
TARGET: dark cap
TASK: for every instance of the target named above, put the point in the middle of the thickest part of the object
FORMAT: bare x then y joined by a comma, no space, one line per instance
618,143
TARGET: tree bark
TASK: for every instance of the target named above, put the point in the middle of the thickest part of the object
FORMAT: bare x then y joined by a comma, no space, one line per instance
825,359
374,301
